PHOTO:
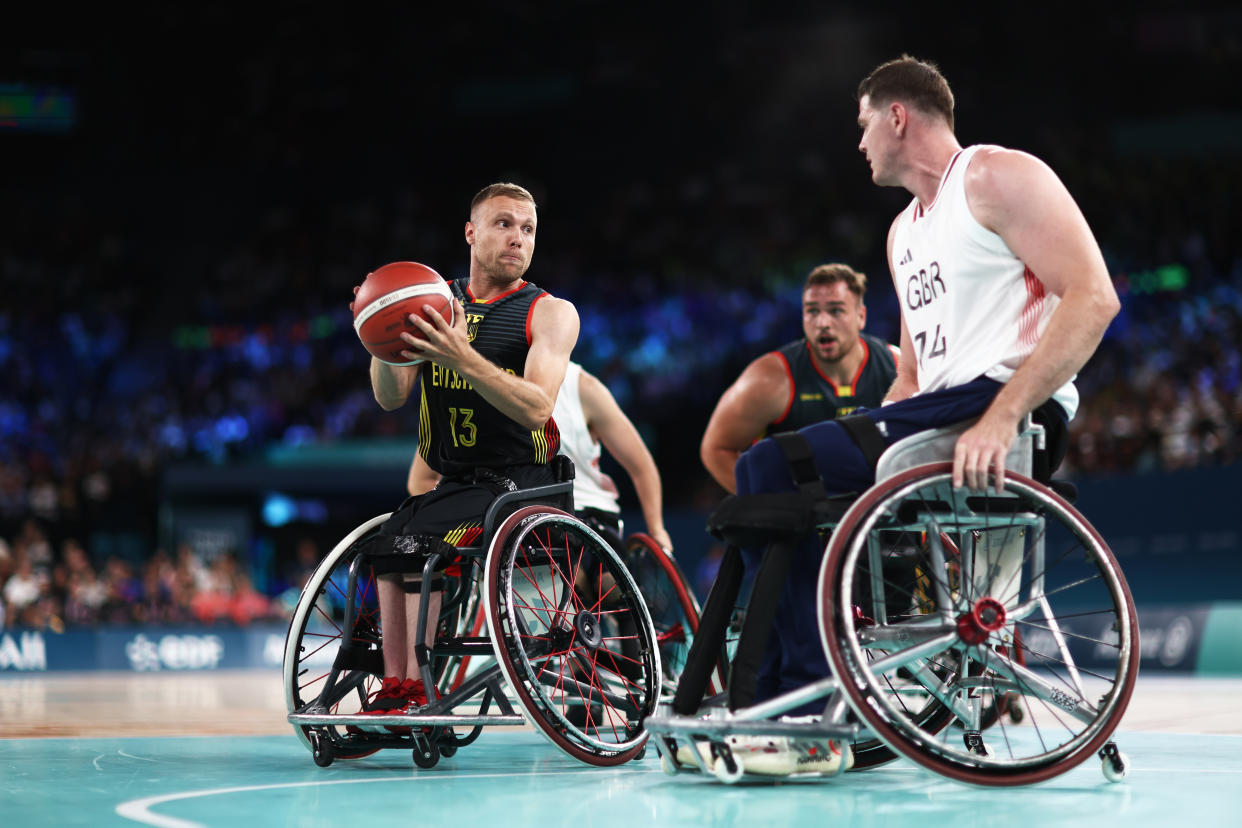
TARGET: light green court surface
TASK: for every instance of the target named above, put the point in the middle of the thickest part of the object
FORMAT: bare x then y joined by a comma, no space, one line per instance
520,779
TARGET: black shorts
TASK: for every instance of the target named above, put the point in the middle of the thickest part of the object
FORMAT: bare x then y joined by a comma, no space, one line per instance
453,513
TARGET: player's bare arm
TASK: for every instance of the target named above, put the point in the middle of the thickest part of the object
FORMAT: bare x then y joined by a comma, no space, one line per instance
759,397
618,435
527,400
1018,197
391,384
906,383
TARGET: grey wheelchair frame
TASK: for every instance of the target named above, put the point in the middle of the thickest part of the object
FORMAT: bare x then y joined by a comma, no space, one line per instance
916,658
545,639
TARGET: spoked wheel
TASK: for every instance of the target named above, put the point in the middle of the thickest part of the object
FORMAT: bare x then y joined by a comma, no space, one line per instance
316,633
674,610
1013,595
582,661
998,705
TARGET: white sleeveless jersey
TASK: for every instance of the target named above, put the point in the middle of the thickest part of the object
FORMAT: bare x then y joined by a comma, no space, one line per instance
971,306
592,488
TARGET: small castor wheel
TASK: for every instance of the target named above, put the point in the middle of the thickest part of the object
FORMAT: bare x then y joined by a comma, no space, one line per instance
1114,763
447,742
426,753
669,766
642,754
974,743
321,749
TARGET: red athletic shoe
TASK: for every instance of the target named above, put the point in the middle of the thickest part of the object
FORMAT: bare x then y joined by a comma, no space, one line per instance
396,697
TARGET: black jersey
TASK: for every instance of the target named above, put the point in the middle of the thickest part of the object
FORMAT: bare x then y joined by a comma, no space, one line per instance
816,398
458,430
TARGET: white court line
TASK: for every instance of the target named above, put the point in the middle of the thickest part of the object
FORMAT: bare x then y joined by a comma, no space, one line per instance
95,762
139,758
139,810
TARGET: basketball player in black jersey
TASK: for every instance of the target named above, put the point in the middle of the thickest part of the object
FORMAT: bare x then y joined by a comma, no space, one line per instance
485,392
828,373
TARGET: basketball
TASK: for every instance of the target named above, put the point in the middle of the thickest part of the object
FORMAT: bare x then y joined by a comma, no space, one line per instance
385,301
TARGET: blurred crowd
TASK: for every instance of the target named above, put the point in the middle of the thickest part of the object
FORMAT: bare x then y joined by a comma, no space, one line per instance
179,286
53,586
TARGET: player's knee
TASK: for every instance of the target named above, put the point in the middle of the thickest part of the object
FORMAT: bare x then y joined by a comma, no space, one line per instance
762,468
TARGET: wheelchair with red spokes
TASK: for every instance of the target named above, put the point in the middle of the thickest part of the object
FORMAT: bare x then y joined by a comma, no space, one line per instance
583,668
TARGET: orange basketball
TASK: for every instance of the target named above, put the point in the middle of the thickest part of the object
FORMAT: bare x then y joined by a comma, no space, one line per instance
385,301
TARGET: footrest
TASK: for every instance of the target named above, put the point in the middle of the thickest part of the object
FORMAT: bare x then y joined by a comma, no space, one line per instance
402,720
808,750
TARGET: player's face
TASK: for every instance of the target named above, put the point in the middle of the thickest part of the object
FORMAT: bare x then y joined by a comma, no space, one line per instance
832,316
876,143
501,235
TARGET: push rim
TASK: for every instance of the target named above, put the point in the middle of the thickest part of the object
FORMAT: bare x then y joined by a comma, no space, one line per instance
1062,586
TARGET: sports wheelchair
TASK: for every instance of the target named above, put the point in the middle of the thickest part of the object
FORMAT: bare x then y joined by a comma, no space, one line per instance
989,637
582,667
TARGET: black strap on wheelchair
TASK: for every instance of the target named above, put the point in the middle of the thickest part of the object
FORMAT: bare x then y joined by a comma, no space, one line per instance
765,596
796,516
777,521
866,435
707,648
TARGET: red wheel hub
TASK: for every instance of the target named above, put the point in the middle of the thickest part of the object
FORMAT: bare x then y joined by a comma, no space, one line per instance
985,617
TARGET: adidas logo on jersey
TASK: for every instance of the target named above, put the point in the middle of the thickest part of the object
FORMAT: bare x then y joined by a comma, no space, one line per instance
906,259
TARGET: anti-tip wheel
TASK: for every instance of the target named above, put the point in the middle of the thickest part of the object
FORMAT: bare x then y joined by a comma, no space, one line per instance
321,749
1115,767
728,769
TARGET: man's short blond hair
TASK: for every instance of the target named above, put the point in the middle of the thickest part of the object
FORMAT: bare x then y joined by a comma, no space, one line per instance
501,188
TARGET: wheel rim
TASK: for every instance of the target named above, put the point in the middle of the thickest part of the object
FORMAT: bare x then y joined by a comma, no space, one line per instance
1028,551
316,632
588,696
673,608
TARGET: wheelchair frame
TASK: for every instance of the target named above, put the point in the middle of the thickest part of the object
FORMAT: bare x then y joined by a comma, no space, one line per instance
946,650
511,683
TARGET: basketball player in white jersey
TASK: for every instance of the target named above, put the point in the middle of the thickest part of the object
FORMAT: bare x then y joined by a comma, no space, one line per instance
996,270
1004,296
587,416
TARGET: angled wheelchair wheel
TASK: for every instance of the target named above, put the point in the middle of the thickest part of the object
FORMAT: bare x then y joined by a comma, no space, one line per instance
572,635
936,602
674,610
317,631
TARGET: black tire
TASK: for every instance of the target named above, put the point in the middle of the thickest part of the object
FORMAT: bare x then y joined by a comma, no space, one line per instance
674,610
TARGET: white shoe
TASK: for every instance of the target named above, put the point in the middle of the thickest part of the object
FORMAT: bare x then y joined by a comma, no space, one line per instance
783,756
685,754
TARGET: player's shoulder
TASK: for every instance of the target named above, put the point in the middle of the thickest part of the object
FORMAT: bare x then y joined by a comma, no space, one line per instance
550,304
996,170
554,317
768,372
887,355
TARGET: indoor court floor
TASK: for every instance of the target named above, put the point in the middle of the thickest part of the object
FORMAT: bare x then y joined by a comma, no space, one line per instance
214,749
